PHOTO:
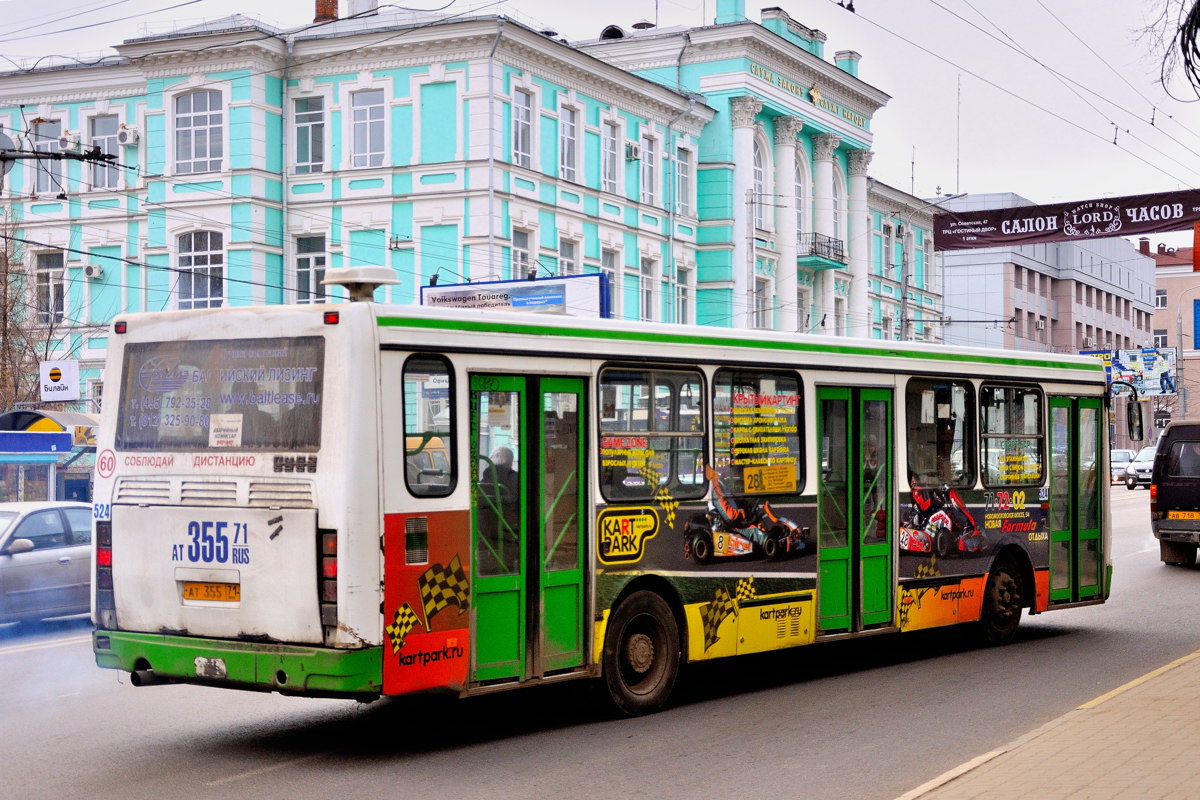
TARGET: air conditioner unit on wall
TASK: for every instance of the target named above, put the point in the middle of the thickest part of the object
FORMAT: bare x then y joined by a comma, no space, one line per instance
1088,342
68,141
127,134
633,151
93,271
1041,325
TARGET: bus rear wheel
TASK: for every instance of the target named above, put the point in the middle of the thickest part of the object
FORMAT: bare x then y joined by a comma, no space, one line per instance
641,654
1001,604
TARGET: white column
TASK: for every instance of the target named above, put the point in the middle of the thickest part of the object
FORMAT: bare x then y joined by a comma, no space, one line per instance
824,146
858,230
786,129
743,109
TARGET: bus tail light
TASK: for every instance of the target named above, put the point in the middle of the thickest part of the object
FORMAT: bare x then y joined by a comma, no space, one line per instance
327,580
105,602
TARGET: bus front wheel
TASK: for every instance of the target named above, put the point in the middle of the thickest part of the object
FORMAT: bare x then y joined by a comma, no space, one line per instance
641,654
1002,604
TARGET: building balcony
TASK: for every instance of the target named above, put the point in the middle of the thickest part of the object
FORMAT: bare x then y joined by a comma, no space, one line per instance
818,251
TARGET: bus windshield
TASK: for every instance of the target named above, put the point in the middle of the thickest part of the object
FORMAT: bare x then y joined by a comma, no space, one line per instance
240,394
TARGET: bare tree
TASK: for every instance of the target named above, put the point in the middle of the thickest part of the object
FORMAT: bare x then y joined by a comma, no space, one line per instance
1175,33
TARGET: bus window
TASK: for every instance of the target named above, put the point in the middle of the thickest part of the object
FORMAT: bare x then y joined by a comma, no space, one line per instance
652,425
1012,435
756,429
428,422
237,394
940,433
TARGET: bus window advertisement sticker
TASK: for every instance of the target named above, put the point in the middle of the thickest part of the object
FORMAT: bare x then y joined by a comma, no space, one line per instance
763,431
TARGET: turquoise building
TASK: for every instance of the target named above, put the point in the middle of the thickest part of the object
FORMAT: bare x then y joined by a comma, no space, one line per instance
718,174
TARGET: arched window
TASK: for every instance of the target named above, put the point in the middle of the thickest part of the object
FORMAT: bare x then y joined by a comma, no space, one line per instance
760,186
201,270
803,198
199,131
839,211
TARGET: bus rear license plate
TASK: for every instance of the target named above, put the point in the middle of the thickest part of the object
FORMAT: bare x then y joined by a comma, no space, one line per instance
203,590
1183,515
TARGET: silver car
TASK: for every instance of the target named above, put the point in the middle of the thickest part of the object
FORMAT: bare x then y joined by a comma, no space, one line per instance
45,560
1138,472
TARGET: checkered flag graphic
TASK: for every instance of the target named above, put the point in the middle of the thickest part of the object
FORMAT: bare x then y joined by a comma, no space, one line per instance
443,586
745,589
714,613
405,620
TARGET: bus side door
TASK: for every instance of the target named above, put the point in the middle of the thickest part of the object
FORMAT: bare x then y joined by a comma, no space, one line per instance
856,582
1075,530
528,525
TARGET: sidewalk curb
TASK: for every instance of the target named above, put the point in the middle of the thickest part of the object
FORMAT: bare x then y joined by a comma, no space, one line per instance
964,768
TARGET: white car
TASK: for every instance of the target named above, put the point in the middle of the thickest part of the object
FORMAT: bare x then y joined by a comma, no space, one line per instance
45,560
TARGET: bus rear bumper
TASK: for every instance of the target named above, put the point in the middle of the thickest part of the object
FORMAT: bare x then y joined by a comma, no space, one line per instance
256,666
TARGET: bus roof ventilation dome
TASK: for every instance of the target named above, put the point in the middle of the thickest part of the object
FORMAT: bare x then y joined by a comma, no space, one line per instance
360,282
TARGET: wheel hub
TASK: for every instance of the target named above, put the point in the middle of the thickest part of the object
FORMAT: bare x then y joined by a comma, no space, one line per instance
639,652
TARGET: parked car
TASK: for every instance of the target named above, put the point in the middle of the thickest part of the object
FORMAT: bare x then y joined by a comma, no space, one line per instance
45,560
1175,512
1118,460
1139,470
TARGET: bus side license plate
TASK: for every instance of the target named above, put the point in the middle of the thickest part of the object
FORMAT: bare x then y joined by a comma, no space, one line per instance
1183,515
203,590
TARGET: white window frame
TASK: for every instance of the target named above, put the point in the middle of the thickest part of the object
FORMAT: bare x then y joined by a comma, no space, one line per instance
683,181
647,278
610,157
105,174
568,151
1161,338
803,309
568,257
522,254
762,303
610,265
1160,298
203,130
649,170
310,270
51,287
759,184
802,199
309,129
369,119
47,172
683,296
522,128
200,269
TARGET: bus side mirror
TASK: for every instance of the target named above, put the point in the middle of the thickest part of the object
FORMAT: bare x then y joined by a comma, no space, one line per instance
1133,419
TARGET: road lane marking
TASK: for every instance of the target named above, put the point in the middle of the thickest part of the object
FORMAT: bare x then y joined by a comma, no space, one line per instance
254,773
28,648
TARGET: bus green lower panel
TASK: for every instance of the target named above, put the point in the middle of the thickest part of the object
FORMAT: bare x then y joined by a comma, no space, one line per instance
249,665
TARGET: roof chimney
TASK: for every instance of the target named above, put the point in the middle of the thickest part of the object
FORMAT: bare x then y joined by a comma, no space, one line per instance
1144,246
1162,248
327,11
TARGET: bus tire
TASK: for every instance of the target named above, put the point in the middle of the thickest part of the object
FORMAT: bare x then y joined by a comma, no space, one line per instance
641,654
1180,554
1002,604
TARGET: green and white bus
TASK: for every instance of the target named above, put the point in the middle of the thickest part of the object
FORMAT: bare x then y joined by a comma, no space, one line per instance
359,500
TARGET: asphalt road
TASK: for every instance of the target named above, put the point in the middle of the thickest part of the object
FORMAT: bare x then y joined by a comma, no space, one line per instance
867,719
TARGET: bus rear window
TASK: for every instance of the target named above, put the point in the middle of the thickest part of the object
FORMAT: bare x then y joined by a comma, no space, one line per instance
234,394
